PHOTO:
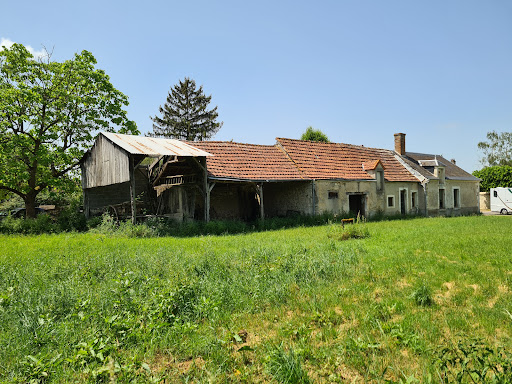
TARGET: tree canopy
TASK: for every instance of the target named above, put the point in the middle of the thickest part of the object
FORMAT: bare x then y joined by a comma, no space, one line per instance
493,177
185,114
497,149
50,113
314,135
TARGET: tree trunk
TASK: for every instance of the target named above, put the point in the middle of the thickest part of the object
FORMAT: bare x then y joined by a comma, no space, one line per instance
30,205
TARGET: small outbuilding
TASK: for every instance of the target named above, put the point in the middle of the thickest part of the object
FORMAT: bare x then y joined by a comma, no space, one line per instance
131,175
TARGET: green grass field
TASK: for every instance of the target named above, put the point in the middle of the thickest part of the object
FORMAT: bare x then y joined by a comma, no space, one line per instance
423,300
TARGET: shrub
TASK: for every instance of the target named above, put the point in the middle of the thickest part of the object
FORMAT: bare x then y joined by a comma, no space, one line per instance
492,177
71,219
359,230
286,367
423,295
474,361
41,224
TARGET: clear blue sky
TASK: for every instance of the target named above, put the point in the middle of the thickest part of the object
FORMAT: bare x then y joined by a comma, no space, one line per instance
360,70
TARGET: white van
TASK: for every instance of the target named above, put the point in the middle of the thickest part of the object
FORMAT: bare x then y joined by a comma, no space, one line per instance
501,200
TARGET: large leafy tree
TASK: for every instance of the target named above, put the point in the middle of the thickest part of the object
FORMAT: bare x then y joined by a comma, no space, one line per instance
497,149
185,114
50,113
312,134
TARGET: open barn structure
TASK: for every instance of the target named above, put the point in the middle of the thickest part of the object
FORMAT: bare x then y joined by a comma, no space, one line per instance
131,175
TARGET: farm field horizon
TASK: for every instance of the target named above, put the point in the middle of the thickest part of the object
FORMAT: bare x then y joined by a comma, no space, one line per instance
408,302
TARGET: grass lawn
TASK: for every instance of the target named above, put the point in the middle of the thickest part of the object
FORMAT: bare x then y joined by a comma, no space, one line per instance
423,300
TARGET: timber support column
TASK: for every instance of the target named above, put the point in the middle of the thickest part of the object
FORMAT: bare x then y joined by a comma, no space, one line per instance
206,193
132,191
259,188
209,188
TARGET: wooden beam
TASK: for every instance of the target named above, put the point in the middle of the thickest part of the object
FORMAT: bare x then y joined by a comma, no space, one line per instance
259,188
206,190
132,190
164,168
199,163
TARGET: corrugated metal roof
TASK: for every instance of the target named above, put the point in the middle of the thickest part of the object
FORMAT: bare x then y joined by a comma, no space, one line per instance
150,146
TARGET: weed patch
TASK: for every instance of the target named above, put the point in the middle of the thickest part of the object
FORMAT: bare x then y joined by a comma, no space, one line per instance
285,366
475,361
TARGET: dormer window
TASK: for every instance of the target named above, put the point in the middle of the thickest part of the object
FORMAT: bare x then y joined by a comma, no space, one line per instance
375,169
439,173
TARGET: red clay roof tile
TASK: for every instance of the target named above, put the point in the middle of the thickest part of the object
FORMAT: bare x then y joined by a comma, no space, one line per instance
342,161
248,161
293,159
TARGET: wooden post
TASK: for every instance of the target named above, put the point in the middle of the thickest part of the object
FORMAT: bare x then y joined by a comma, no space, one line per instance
132,191
206,193
260,193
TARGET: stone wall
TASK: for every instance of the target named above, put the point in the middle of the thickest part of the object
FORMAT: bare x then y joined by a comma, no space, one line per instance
485,201
334,196
233,201
288,198
468,195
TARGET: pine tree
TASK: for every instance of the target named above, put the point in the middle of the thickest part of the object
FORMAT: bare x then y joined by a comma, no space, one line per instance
185,115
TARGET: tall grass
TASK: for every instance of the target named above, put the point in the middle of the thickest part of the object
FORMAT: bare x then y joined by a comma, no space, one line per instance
97,307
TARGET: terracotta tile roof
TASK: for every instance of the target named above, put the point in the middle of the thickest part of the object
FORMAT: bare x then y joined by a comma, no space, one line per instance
248,161
341,161
371,165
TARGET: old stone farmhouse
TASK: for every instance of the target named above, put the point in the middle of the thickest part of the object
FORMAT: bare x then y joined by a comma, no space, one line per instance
138,176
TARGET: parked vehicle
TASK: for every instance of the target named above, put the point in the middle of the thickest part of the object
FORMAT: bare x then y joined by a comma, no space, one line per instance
19,213
501,200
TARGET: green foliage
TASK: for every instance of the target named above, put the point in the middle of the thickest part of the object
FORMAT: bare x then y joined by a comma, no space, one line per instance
493,177
356,230
41,224
475,361
314,135
286,366
185,115
39,369
49,115
117,309
498,149
423,295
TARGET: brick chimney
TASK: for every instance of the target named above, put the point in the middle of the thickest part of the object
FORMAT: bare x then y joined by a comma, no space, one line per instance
400,143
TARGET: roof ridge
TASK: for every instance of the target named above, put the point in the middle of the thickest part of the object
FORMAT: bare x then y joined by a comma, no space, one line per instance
335,144
230,142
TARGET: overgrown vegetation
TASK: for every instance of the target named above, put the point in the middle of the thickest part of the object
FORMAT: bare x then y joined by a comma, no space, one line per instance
71,219
415,301
493,177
